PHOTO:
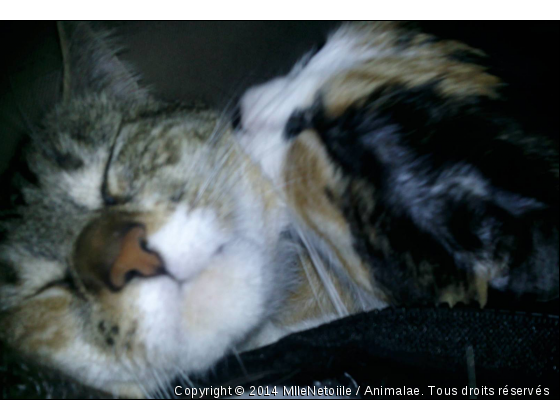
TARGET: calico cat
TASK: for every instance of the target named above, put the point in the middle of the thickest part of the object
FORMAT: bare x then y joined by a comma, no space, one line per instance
145,239
411,180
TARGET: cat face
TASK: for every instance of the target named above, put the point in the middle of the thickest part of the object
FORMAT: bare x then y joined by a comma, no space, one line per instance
136,248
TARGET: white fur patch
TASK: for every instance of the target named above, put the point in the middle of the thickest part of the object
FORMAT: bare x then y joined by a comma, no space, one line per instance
35,272
265,109
84,185
188,326
188,240
225,303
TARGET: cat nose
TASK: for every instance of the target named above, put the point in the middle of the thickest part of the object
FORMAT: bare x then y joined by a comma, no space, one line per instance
134,259
111,251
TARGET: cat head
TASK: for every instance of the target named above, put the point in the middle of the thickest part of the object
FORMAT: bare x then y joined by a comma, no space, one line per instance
133,247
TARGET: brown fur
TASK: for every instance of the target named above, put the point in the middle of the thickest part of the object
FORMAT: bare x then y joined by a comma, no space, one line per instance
417,63
309,173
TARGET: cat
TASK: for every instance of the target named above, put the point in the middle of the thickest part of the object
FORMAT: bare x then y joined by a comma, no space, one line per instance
145,239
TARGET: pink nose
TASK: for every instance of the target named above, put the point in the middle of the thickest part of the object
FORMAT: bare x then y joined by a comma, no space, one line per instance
111,250
133,259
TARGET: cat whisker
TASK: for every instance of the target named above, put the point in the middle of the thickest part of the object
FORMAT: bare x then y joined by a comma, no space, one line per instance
323,274
218,167
234,177
184,376
133,371
241,365
312,285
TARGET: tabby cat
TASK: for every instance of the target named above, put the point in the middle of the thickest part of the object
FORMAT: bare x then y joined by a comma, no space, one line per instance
145,239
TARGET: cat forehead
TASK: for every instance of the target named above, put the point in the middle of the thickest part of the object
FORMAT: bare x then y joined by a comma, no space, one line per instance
144,145
85,131
184,126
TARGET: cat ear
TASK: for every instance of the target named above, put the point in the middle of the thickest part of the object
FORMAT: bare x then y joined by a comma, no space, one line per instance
91,63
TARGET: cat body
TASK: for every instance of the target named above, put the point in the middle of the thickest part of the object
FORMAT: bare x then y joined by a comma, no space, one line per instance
146,240
388,145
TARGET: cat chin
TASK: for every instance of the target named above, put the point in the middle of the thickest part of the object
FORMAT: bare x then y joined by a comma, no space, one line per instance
195,322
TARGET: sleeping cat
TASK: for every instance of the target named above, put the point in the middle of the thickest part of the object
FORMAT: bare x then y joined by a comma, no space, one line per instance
146,240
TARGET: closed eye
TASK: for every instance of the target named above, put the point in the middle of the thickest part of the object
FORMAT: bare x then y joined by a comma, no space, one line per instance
109,199
67,283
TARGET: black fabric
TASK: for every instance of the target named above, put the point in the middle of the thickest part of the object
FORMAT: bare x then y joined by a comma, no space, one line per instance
411,347
418,347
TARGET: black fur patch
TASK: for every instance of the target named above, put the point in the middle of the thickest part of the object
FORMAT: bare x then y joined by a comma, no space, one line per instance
8,274
67,161
453,181
18,174
299,121
236,117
